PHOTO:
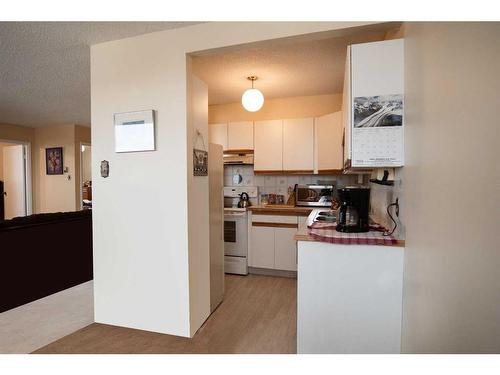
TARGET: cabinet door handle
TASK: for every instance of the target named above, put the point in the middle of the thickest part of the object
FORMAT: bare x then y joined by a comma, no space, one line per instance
274,225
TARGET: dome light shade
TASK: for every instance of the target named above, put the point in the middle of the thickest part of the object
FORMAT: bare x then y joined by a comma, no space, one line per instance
252,100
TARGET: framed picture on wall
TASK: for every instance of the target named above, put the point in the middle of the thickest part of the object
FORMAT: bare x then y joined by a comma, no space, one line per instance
54,160
200,163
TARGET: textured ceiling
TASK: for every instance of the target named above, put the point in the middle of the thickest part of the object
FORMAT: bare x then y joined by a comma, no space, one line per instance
292,68
45,67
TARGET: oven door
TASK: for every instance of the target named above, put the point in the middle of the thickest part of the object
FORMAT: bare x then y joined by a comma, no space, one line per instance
235,233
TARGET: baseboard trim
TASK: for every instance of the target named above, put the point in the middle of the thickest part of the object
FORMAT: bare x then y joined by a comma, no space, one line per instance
271,272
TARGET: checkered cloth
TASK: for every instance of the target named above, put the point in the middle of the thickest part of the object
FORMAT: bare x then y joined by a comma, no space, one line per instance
326,232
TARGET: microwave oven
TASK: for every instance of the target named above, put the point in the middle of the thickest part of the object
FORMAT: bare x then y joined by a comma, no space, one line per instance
314,195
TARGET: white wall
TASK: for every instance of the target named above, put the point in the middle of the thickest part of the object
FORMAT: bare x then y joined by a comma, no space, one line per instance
2,145
140,212
452,184
277,109
55,193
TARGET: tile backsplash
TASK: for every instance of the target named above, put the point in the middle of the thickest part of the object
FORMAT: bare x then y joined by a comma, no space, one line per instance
380,196
277,184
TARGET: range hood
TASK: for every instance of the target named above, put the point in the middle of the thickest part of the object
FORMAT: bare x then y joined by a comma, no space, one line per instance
238,157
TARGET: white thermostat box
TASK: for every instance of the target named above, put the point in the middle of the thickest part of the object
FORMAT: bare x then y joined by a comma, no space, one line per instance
134,131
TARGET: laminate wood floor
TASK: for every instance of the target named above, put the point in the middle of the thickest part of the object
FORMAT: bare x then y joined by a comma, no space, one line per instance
258,315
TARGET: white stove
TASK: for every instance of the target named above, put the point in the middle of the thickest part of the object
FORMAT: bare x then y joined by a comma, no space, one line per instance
236,230
232,194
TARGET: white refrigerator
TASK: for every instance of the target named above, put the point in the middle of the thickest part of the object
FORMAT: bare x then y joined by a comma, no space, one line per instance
216,218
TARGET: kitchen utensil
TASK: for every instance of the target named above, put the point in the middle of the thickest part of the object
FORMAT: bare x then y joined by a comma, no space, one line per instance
291,196
244,200
272,198
264,199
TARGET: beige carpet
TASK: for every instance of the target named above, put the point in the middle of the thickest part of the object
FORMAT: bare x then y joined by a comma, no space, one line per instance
38,323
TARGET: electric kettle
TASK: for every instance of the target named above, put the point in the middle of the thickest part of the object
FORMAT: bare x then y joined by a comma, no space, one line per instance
244,200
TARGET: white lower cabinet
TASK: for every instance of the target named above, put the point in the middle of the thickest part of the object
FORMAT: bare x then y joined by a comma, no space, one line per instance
272,243
285,249
349,298
262,247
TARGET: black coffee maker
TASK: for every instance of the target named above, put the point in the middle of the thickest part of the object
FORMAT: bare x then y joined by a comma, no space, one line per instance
352,216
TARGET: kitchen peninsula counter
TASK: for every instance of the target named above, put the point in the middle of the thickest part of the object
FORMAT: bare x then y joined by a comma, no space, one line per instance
305,233
349,293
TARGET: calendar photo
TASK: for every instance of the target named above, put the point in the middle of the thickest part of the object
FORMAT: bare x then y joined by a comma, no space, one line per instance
378,111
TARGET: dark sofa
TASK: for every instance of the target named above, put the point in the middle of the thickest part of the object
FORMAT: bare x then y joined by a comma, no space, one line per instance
43,254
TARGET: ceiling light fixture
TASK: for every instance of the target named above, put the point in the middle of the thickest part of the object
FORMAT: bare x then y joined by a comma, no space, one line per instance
252,99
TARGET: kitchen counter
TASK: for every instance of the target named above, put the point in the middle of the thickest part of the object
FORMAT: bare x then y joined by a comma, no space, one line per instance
280,209
349,291
304,234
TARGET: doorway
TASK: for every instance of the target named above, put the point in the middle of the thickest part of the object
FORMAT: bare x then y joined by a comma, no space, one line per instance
85,176
15,177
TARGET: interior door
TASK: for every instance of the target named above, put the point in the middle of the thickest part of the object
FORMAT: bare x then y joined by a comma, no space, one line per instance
14,181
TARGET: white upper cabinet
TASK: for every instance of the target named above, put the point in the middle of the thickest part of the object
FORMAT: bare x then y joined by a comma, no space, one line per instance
268,145
217,133
240,135
298,145
328,151
307,145
346,109
376,124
